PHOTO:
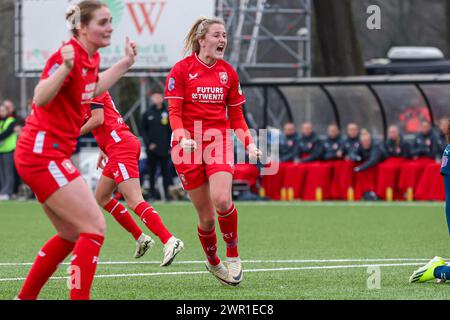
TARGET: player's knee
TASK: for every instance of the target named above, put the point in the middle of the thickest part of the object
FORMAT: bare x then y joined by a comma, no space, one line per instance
222,202
96,225
102,199
207,223
100,226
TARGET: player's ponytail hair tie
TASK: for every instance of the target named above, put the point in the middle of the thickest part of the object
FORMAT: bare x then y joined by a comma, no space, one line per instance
201,27
73,15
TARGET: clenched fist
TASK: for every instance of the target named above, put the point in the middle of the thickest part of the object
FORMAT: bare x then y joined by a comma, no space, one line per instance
68,55
188,145
254,153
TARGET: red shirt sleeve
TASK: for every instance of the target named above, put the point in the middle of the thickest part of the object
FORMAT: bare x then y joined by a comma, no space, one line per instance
174,93
235,95
175,85
238,124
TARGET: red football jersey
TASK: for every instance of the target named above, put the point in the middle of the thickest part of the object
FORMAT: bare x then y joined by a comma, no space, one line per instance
206,92
55,127
113,130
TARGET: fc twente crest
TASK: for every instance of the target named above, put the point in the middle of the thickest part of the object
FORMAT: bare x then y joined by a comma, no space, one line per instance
223,76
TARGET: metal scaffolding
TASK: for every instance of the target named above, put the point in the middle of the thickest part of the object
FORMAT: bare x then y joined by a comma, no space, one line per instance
268,38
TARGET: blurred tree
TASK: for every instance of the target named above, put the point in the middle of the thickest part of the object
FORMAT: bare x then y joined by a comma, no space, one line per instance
8,82
337,51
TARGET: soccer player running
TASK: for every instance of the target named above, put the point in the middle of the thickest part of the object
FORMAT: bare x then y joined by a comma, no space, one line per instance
69,80
436,268
120,149
201,89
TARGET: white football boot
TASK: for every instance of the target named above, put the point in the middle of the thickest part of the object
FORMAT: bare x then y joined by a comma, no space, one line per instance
220,272
235,270
143,244
173,247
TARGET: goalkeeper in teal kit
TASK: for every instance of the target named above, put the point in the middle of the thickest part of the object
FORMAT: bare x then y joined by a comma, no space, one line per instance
437,268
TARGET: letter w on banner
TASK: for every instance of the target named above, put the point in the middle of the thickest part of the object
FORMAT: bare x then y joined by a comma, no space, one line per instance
146,14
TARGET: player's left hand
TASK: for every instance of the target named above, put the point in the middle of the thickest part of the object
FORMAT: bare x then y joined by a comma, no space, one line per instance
102,160
130,51
188,145
254,153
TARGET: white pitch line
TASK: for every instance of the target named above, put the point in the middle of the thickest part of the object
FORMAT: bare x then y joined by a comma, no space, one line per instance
245,271
15,264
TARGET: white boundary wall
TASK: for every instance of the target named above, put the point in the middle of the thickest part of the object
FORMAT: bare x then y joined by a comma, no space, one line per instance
157,26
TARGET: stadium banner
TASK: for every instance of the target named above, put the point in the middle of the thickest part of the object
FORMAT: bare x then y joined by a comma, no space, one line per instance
159,28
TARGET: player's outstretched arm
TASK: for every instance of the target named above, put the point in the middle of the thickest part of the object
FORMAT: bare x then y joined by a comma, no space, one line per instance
96,120
47,88
110,76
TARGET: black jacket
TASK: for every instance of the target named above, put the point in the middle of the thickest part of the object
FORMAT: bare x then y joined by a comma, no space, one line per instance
425,145
351,146
310,148
390,149
370,157
330,148
289,148
155,128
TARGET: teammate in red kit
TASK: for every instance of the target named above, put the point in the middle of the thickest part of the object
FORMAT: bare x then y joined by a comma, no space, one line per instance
69,80
201,90
121,150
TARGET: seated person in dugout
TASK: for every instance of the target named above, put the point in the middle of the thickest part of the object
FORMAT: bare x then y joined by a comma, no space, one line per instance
396,152
424,149
368,155
342,181
289,143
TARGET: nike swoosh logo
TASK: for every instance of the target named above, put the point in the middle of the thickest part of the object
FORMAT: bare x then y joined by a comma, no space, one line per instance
123,211
175,247
239,276
446,152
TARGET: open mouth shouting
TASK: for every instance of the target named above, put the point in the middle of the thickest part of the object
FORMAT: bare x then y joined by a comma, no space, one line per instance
220,49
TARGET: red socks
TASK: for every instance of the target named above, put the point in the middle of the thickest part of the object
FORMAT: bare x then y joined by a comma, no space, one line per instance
83,264
51,255
153,221
123,217
208,240
228,222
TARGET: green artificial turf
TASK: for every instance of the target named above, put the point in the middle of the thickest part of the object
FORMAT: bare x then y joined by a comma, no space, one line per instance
275,239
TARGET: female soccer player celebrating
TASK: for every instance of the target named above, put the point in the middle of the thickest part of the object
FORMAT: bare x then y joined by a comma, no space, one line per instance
121,149
436,268
199,89
69,80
